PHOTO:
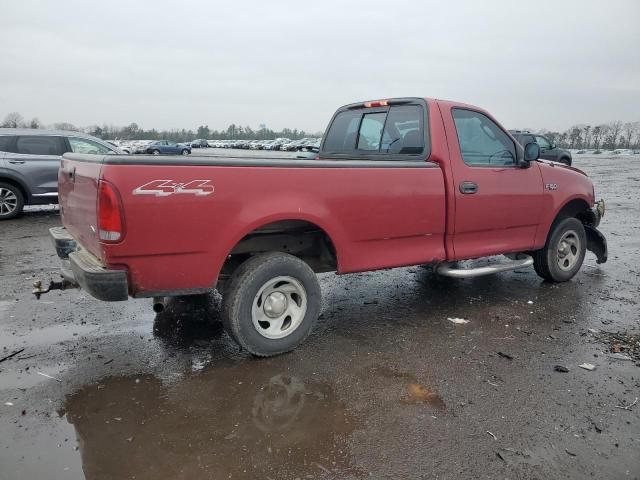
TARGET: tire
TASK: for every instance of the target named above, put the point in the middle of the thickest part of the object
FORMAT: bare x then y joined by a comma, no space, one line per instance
563,254
11,201
566,161
271,303
155,152
185,152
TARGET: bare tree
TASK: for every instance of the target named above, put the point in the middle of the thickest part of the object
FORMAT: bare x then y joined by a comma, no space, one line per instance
65,126
13,120
628,130
575,136
586,128
599,131
614,131
35,123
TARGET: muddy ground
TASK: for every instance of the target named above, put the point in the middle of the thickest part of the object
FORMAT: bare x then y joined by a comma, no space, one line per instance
386,387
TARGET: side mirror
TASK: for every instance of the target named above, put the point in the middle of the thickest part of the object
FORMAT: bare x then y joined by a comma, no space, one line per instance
531,152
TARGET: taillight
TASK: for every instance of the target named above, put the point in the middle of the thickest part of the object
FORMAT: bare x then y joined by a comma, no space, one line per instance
110,221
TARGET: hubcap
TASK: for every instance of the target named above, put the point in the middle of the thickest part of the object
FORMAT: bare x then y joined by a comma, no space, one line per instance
279,307
568,251
8,201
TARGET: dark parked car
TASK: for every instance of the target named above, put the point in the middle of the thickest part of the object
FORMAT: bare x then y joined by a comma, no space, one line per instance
165,146
548,150
199,143
29,162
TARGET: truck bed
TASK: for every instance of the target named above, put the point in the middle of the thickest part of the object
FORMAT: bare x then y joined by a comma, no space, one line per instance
184,216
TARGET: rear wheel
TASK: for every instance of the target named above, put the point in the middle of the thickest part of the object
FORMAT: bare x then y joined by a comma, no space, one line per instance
11,201
271,303
566,161
563,254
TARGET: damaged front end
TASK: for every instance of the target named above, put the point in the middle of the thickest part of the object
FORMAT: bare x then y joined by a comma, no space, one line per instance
596,242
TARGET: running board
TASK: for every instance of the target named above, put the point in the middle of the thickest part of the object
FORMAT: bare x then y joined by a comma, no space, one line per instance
520,260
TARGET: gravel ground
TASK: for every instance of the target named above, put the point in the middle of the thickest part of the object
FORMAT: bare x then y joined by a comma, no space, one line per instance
386,387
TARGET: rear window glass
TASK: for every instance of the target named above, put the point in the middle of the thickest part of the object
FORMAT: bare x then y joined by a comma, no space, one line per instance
6,143
395,130
343,132
39,145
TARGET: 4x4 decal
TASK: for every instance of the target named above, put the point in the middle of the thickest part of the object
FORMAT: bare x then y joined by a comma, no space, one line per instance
164,188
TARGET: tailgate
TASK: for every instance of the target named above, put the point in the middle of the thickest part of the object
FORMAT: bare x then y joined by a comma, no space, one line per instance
78,192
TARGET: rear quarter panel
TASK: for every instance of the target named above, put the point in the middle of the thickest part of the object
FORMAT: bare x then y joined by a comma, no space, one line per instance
376,217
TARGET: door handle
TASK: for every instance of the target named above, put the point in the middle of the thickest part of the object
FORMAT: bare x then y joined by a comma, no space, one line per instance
468,188
16,162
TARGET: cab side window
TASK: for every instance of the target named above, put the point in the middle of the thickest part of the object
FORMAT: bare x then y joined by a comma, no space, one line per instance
544,144
7,143
40,145
482,142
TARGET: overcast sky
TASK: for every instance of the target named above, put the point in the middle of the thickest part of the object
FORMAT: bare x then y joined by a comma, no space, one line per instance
292,63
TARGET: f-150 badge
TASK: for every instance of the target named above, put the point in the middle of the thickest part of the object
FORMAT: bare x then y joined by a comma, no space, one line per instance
164,188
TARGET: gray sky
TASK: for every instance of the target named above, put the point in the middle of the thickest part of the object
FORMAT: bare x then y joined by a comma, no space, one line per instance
292,63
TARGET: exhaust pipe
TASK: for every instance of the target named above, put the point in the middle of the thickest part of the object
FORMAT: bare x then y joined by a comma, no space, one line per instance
158,304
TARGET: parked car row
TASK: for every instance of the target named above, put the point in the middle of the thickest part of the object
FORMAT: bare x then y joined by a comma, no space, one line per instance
279,144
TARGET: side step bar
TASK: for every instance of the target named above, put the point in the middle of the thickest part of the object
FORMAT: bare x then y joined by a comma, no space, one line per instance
518,261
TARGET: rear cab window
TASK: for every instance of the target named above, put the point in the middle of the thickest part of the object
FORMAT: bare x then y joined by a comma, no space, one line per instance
390,131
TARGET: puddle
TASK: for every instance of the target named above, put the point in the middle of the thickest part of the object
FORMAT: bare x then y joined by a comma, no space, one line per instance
211,424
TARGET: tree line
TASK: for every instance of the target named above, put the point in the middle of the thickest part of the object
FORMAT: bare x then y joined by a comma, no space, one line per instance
134,132
607,136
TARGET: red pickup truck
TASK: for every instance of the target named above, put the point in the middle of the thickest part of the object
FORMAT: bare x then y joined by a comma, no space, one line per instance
407,181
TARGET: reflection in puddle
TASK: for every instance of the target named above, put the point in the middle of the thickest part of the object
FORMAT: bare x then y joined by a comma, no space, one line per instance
242,421
416,393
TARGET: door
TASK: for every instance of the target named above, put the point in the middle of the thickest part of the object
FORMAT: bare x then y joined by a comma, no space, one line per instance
497,203
546,151
36,160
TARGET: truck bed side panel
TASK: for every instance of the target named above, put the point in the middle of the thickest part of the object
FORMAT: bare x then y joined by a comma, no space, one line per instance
376,217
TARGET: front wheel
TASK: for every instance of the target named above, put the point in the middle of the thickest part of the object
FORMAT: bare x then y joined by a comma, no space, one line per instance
271,303
156,152
563,254
185,152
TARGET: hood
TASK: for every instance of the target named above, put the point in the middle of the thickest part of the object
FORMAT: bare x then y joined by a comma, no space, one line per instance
553,164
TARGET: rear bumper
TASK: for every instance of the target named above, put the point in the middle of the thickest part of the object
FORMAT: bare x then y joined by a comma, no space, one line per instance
82,268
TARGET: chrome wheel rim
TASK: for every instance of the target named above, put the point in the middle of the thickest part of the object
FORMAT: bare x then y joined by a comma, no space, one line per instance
185,152
8,201
568,252
279,307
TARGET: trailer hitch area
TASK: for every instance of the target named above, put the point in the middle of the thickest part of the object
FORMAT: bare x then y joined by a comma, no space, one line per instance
64,284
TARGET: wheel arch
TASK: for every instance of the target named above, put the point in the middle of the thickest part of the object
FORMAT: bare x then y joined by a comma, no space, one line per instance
11,180
302,236
577,207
